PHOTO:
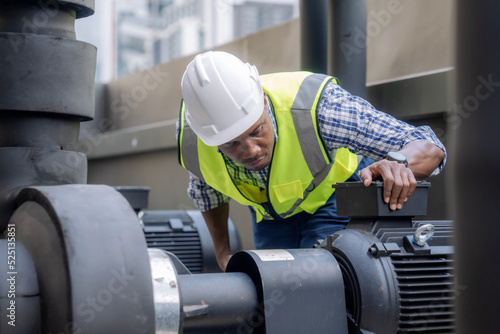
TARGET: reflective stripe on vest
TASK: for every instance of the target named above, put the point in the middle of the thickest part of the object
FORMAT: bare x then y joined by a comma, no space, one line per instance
307,185
187,143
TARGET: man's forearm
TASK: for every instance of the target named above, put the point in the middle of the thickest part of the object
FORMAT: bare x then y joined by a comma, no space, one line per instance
216,220
423,157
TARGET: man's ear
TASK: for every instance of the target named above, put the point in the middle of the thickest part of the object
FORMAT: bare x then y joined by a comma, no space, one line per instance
265,100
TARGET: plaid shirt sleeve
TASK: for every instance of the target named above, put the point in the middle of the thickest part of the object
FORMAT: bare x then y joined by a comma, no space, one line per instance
204,196
349,121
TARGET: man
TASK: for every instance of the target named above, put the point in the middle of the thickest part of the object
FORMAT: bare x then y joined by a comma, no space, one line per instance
278,143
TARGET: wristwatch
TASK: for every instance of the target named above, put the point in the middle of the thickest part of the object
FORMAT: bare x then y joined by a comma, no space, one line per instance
395,156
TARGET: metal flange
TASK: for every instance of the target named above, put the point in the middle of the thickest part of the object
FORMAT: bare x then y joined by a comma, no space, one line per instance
26,166
82,8
166,292
90,257
38,20
42,73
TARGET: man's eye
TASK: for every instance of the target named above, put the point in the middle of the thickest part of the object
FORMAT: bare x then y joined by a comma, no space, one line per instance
257,131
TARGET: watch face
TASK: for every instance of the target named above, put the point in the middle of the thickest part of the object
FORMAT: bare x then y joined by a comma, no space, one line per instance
397,157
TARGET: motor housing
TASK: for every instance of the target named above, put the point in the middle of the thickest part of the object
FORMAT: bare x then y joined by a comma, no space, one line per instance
392,283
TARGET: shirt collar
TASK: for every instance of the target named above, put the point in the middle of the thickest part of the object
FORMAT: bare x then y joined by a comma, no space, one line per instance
270,109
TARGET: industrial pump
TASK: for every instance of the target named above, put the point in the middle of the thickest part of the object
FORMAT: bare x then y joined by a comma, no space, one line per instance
75,257
93,272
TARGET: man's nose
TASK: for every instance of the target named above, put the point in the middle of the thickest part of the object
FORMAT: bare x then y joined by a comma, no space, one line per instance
249,148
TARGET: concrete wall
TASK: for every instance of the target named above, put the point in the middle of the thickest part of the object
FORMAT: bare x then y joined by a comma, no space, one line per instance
407,37
132,139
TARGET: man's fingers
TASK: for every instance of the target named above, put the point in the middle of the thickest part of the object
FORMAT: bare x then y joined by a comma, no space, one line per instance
385,170
413,184
397,186
403,187
399,181
403,195
366,176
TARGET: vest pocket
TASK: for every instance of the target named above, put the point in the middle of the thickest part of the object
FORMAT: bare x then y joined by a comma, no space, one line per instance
253,193
287,191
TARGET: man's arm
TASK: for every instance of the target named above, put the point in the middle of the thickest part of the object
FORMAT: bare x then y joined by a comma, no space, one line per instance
400,182
214,207
349,121
216,220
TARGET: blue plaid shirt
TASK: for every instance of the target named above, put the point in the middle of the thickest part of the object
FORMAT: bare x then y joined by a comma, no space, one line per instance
345,120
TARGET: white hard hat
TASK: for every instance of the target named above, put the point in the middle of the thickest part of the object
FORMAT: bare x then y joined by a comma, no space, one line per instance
222,95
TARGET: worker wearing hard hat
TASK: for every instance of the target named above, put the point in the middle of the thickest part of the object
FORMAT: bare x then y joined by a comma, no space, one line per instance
278,142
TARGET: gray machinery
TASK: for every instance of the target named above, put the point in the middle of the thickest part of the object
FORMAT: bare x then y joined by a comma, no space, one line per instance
74,258
185,235
180,232
93,273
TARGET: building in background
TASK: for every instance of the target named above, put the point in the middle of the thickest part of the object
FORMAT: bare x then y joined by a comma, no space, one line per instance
150,32
133,35
252,16
99,31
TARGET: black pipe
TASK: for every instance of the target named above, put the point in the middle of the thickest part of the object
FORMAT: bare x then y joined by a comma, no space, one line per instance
217,303
314,35
476,119
347,44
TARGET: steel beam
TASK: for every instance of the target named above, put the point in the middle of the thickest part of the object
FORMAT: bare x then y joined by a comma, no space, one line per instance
314,35
347,44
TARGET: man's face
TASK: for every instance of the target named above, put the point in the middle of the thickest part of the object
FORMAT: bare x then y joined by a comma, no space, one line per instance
254,148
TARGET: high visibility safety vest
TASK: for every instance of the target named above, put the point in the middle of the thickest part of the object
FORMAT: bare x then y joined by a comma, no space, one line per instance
301,173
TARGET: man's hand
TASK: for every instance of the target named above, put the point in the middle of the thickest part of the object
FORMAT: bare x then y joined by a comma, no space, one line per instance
399,181
216,220
223,260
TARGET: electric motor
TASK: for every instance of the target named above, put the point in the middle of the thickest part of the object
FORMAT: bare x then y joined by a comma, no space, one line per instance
398,273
